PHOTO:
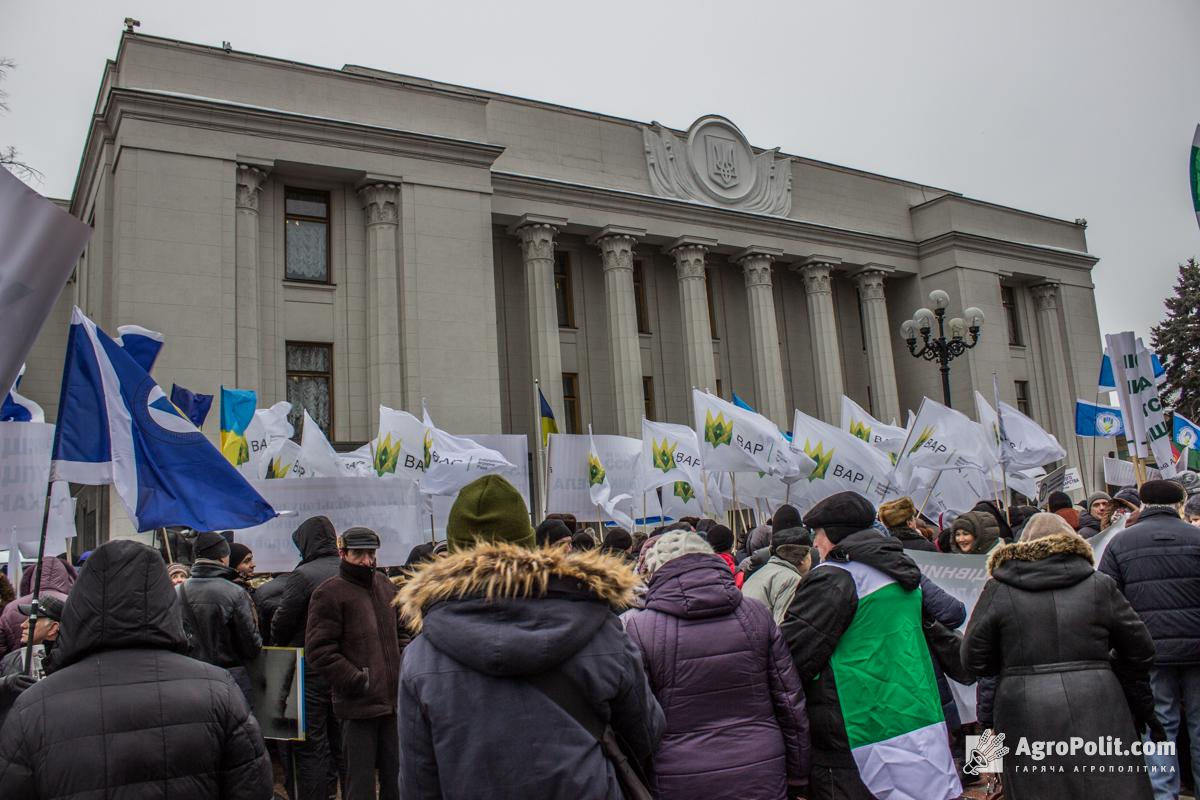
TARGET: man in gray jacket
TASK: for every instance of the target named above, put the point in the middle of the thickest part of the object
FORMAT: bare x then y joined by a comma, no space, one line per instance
774,584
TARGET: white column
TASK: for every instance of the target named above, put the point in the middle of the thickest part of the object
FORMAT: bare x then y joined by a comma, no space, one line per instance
769,396
823,334
1054,362
536,235
624,346
881,365
701,369
250,181
381,203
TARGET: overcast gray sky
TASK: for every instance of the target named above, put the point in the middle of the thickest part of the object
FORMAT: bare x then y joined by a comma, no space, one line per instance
1071,108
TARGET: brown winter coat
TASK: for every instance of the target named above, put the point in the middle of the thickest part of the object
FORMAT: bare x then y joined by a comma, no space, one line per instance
351,641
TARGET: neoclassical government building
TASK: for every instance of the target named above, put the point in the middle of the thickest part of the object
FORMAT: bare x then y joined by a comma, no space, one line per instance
348,237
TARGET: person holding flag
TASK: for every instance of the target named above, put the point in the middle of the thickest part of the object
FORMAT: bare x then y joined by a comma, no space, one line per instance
855,634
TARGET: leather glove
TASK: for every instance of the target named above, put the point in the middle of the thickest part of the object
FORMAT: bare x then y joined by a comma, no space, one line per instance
11,686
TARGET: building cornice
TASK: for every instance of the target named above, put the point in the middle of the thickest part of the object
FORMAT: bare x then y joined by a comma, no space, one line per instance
528,187
266,123
985,245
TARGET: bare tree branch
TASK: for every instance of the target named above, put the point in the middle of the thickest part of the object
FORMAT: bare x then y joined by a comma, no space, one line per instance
9,158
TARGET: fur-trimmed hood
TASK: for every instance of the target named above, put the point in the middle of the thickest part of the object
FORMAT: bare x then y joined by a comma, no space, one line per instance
494,571
1051,562
507,610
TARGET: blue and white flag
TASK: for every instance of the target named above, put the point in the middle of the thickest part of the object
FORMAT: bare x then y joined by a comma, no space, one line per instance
1185,433
142,344
1108,381
195,406
16,408
1098,421
117,426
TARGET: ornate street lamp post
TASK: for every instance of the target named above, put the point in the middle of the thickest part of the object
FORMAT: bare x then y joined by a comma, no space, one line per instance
939,348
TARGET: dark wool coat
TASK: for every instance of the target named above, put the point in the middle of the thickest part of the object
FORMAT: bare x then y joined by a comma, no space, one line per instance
736,722
317,542
125,714
1156,563
1046,623
912,540
352,641
471,725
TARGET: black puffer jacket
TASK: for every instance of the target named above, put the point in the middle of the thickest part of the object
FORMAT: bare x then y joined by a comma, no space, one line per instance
471,724
125,714
1058,634
912,540
825,608
1156,563
1089,526
226,633
317,542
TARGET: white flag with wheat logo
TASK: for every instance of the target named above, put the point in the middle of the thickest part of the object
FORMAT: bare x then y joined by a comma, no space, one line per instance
843,463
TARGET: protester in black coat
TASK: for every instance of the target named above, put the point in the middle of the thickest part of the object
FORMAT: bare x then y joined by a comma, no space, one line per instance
226,633
1068,649
318,760
125,714
266,602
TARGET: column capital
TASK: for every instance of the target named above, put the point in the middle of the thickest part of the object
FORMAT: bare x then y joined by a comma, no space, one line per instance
616,247
381,202
756,264
250,180
817,276
870,282
1045,295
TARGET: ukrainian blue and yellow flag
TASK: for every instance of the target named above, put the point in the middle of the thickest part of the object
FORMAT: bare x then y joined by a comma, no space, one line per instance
549,426
237,409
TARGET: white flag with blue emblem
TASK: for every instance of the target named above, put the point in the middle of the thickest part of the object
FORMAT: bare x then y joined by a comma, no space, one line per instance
117,426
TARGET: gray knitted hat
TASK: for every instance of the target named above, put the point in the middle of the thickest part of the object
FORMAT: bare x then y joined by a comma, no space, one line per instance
671,546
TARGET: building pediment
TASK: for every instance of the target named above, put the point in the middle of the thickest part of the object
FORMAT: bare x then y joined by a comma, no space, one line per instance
715,164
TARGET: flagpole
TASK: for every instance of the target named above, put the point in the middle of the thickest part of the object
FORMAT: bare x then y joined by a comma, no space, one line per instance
539,455
734,510
929,494
644,525
37,582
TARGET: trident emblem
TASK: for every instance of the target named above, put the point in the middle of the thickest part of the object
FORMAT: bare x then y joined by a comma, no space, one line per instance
722,163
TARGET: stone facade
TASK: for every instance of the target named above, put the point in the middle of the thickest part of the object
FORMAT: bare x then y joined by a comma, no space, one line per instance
459,222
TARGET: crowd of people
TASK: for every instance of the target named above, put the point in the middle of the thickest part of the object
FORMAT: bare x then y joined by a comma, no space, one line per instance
806,657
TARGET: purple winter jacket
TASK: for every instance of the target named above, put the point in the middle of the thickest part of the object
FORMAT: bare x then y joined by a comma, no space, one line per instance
736,722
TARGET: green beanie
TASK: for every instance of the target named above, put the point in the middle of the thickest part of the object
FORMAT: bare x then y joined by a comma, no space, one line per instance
489,509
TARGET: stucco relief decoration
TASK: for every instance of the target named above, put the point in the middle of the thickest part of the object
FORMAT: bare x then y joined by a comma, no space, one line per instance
714,164
1046,296
250,181
381,203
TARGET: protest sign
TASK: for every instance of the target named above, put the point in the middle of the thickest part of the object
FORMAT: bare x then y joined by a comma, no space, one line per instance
24,478
1120,473
277,674
390,507
963,577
